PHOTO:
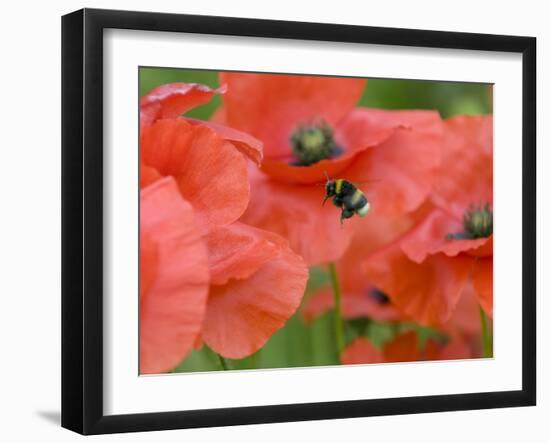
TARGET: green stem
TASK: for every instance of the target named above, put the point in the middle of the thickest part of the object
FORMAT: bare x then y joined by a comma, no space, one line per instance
253,359
487,340
338,323
223,363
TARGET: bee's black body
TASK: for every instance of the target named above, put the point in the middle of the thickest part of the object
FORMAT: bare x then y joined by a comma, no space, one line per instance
346,196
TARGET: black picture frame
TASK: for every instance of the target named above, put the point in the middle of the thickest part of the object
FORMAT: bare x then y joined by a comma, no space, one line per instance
82,220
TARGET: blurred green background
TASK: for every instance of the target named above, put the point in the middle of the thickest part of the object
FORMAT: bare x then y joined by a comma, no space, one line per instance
449,98
298,343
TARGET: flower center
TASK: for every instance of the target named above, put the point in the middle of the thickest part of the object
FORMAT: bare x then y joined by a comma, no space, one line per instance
478,223
313,142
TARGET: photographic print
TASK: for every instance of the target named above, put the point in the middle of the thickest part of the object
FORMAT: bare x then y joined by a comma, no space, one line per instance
298,220
314,209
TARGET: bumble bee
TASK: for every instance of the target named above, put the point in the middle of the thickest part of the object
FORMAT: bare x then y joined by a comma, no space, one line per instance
347,197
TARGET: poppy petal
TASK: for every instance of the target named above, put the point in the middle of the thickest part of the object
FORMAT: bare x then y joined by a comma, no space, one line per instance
364,127
403,348
369,234
172,100
456,349
173,277
465,318
147,175
211,174
284,172
430,237
219,115
466,176
244,312
248,145
148,262
427,292
319,303
398,174
361,351
483,283
271,106
296,213
485,250
237,251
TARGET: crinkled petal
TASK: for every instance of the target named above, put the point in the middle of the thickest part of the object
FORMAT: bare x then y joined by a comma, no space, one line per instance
244,312
296,213
248,145
172,100
429,237
370,127
397,175
271,106
483,283
239,250
427,292
466,176
210,172
173,277
361,351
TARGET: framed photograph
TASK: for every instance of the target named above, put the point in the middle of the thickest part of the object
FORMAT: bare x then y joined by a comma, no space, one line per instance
270,221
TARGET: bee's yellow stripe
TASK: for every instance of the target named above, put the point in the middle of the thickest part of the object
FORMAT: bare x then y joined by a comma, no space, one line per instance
356,196
339,185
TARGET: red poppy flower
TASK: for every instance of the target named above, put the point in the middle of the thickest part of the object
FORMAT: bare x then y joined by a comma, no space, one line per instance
359,297
254,282
310,127
426,271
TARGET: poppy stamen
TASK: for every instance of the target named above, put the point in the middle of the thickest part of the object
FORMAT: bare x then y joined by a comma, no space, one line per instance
313,142
478,223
